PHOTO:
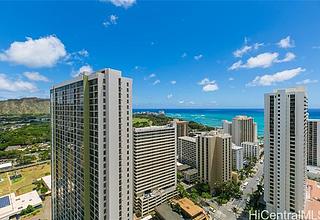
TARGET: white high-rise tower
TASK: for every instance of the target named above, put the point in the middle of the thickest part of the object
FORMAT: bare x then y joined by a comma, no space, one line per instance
285,115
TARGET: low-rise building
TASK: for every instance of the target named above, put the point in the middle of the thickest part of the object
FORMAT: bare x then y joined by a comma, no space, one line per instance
5,166
237,157
187,151
251,150
191,210
190,175
313,172
11,205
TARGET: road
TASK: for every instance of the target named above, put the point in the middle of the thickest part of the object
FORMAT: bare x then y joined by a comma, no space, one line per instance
226,212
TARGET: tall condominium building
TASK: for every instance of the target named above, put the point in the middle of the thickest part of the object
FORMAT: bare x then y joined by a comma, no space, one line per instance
227,127
187,151
285,116
91,120
182,127
214,157
243,129
237,157
313,149
251,150
154,162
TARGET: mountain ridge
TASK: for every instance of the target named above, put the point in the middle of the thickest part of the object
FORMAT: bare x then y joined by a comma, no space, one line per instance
25,106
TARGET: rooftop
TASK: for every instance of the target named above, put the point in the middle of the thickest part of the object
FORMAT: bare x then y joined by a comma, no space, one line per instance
47,181
11,204
187,138
191,171
235,147
183,167
190,208
312,198
153,128
165,211
5,165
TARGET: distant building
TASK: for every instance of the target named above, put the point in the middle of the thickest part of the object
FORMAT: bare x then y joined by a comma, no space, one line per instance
227,127
313,172
250,150
244,129
214,157
11,205
182,127
237,157
5,166
165,212
285,135
187,151
47,181
313,149
155,170
91,117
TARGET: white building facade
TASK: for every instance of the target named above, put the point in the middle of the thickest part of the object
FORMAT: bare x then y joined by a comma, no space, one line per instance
251,150
155,171
227,127
285,150
92,168
186,150
237,157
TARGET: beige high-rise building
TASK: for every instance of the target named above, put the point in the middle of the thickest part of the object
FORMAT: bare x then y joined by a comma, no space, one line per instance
285,116
154,163
182,127
313,149
227,126
244,129
214,157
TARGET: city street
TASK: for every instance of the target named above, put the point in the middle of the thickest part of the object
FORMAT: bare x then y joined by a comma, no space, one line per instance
226,211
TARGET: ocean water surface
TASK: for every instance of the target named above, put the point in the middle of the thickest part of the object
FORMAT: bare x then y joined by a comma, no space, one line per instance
214,117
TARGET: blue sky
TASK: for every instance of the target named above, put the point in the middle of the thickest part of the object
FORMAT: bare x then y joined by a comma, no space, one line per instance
181,54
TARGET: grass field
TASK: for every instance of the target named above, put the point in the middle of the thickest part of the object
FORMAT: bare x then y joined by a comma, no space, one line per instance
141,122
25,183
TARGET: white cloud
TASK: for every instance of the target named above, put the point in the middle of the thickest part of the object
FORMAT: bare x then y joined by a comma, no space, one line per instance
289,56
236,65
156,82
286,43
268,80
35,76
86,69
246,48
169,96
208,86
263,60
121,3
42,52
111,20
183,55
83,53
316,47
152,75
173,82
231,78
10,85
191,102
181,101
307,81
198,57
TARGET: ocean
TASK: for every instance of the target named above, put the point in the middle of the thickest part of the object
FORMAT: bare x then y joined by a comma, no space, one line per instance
213,117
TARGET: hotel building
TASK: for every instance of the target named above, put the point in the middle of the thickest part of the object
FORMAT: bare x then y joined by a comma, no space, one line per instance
187,151
227,127
244,129
313,148
155,171
285,116
214,157
91,118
